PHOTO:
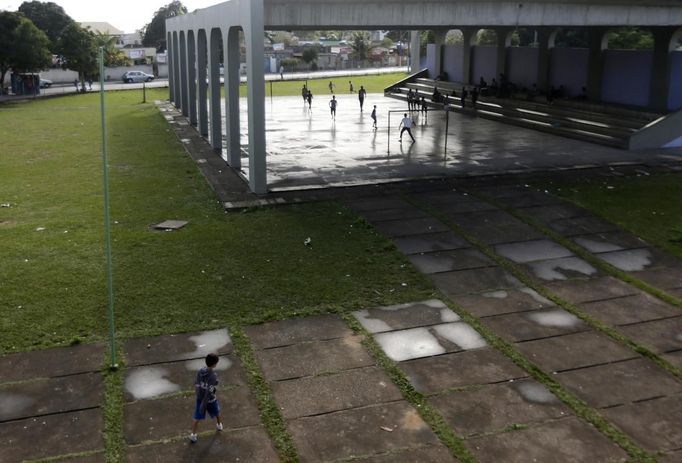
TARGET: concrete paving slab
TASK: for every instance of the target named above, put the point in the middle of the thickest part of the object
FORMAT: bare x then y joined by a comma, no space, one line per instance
89,458
501,302
565,440
474,221
430,242
313,358
494,407
675,292
402,316
535,324
459,207
148,382
48,363
507,234
574,351
172,347
619,383
657,335
630,309
360,432
663,278
598,289
48,396
447,261
295,330
245,445
428,341
430,454
549,213
671,457
329,393
417,226
52,435
376,203
531,198
475,281
566,268
529,251
380,215
609,241
587,225
150,420
654,424
170,225
445,197
482,366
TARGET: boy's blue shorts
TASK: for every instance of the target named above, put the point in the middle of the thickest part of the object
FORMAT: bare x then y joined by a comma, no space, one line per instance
212,408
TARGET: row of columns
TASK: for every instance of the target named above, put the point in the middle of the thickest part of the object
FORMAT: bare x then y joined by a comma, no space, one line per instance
194,88
664,39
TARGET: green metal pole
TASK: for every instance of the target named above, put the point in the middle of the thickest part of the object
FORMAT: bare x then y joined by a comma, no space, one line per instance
107,230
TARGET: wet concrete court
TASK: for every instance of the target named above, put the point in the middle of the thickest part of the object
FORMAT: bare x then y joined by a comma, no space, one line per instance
308,149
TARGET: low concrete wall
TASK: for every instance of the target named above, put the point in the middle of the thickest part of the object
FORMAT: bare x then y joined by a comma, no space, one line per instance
59,76
483,63
665,132
627,76
452,62
163,70
522,66
675,92
117,72
569,68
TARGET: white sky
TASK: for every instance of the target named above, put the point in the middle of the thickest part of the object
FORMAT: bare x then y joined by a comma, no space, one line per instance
127,15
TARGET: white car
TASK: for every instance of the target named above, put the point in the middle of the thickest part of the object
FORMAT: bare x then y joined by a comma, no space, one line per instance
45,83
137,76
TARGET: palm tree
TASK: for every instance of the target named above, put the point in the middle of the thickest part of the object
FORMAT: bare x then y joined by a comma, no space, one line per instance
112,55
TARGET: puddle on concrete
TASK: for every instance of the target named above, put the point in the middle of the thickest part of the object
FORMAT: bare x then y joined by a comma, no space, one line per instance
148,382
461,334
555,318
597,246
376,324
448,316
552,269
536,296
409,344
496,294
373,325
529,251
12,404
535,393
195,365
632,260
209,342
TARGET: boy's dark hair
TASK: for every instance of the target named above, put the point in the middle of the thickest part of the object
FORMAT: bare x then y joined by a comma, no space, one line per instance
211,360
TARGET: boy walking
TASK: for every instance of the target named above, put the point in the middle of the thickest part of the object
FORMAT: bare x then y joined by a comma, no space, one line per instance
332,106
206,401
374,117
362,93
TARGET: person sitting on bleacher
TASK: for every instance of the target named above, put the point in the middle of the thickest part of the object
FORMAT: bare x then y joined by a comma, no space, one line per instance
436,97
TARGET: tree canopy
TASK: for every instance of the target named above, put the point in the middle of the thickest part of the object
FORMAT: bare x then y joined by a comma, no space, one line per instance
79,50
361,45
112,55
23,47
48,17
155,32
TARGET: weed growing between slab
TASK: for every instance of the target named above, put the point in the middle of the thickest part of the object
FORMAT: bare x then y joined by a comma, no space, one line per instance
270,415
579,407
428,413
112,412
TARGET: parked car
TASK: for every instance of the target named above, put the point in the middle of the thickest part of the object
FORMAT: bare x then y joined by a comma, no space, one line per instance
137,76
45,83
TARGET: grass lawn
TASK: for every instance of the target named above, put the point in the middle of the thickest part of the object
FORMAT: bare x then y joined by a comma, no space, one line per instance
373,84
648,206
221,270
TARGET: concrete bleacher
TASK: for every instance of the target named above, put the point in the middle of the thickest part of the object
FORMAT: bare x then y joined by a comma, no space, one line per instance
592,122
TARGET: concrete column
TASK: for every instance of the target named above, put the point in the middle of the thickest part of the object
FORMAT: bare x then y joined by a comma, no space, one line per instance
184,81
255,56
503,42
202,58
595,66
415,51
169,57
234,149
216,137
544,51
468,38
660,68
192,75
176,72
439,40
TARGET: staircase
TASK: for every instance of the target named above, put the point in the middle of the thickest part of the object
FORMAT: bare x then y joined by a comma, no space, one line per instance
594,123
